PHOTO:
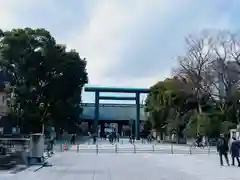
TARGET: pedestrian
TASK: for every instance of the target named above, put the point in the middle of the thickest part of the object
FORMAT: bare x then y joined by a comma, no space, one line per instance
133,139
222,148
118,137
198,140
110,138
94,139
234,149
73,139
130,139
50,147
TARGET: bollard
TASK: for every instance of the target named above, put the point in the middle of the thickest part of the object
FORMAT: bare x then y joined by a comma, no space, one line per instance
97,148
172,148
190,150
134,148
78,148
115,148
209,150
61,147
153,147
65,148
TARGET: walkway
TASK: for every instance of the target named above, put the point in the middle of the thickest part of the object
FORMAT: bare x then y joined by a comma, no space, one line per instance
70,165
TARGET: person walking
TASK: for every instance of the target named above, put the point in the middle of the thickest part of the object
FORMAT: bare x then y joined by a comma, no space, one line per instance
222,148
133,139
130,139
73,139
94,138
118,137
234,149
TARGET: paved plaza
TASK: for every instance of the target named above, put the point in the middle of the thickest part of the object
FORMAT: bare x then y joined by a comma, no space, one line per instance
126,166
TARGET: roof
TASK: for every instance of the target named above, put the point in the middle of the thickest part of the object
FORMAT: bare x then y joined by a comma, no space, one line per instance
111,105
116,90
112,111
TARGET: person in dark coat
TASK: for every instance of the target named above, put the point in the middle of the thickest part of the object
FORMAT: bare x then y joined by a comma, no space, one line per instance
94,138
198,140
73,139
222,148
130,139
235,145
133,139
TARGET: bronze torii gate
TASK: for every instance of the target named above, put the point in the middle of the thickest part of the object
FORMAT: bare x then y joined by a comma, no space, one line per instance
136,91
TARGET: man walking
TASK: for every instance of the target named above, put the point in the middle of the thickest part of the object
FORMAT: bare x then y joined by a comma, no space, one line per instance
73,139
222,148
235,145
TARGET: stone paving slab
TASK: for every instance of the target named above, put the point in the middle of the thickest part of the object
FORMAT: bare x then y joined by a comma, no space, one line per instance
71,166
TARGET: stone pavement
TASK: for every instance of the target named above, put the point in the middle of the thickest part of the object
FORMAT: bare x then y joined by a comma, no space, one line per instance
71,166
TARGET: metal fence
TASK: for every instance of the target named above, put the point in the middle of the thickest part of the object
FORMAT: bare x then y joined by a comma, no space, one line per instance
18,144
14,144
136,148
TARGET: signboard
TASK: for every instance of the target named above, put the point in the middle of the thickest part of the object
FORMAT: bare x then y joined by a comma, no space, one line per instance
110,127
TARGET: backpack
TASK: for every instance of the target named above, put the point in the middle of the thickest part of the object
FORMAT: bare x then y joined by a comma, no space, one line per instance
221,143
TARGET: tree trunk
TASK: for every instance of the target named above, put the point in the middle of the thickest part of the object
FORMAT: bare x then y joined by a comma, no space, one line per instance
42,120
198,117
43,128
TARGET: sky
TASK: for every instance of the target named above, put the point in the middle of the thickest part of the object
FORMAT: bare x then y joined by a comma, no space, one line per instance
127,43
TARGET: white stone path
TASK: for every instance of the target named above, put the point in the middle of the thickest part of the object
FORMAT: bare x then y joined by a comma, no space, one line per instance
71,166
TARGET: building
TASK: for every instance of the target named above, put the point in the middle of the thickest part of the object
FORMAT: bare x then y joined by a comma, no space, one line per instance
112,117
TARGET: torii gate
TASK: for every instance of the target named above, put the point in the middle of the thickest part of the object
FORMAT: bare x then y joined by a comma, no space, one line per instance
136,91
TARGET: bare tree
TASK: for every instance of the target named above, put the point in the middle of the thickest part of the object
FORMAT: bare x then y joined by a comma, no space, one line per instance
225,66
227,71
234,47
212,66
195,67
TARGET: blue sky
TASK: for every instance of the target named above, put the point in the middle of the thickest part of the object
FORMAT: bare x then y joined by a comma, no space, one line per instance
127,43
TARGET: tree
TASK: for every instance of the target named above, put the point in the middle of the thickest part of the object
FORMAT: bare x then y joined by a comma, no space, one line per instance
47,81
147,127
210,65
170,105
195,67
155,106
203,96
226,68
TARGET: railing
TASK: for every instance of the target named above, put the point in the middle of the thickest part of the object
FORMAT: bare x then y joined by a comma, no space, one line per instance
17,144
13,144
137,148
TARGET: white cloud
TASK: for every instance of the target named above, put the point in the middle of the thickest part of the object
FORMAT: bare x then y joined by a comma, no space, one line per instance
112,27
